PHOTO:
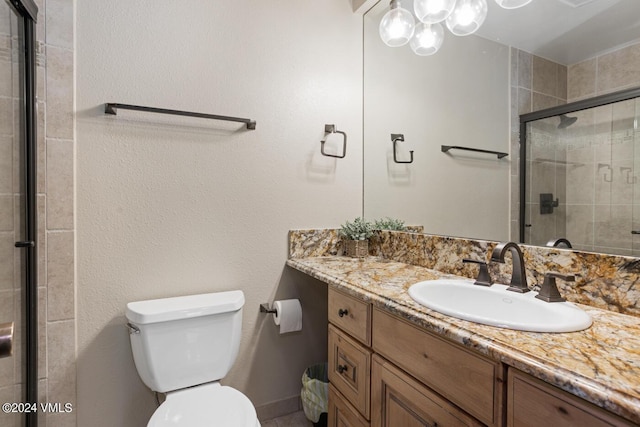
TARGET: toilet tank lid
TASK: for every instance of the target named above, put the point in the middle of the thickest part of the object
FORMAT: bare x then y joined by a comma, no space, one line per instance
167,309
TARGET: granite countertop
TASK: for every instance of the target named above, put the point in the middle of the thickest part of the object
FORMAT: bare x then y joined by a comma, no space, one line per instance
600,364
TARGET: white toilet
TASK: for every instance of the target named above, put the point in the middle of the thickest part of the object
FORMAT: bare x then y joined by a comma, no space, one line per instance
183,346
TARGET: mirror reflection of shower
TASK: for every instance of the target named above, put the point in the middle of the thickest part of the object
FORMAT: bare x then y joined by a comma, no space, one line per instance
580,180
566,121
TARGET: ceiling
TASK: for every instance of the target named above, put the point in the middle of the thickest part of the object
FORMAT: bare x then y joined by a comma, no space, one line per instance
564,31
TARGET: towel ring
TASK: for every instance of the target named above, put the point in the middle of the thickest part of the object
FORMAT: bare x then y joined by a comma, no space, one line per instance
395,137
328,129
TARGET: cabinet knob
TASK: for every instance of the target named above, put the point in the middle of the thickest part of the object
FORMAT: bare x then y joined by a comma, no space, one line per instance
343,312
342,368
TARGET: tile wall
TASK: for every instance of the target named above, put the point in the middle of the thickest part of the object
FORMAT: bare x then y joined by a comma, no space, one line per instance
56,133
536,84
56,227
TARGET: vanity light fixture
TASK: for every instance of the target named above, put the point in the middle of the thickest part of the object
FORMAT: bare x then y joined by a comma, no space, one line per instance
433,11
512,4
462,17
397,25
427,39
467,17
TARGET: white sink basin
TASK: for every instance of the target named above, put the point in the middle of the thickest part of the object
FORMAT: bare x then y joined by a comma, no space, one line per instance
495,306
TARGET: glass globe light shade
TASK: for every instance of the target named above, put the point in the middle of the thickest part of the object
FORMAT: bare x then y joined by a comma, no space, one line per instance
396,26
432,11
512,4
467,17
427,39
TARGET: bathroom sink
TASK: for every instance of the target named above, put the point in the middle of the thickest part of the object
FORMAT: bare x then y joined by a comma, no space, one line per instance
495,306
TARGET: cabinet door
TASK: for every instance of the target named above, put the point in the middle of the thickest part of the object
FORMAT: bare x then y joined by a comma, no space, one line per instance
531,402
399,400
471,382
350,369
341,414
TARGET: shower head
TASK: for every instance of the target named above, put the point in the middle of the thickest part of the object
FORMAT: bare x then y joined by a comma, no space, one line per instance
566,121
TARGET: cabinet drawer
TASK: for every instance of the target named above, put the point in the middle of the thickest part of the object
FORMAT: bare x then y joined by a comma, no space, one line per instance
341,413
351,315
471,381
400,400
350,369
531,402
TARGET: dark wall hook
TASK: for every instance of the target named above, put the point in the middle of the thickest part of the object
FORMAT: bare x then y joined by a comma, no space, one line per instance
328,129
395,137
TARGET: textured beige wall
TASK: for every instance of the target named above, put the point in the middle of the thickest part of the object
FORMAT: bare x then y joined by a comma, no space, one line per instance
169,206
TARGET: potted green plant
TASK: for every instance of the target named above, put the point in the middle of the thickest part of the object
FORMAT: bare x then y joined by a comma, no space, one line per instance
389,224
355,236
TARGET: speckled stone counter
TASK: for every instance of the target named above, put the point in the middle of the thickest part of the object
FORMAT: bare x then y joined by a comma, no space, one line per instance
600,364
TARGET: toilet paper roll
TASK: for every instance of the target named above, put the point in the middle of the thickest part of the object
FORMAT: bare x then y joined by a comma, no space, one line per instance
288,315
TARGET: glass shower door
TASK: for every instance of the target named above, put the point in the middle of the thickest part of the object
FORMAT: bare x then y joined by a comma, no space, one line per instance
18,222
11,204
581,177
634,178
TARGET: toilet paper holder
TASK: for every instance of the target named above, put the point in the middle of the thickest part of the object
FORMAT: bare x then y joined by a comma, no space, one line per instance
264,308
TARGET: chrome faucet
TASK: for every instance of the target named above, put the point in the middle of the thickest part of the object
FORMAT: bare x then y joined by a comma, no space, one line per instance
518,275
557,242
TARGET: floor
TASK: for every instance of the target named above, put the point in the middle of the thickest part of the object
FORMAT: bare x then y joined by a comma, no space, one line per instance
296,419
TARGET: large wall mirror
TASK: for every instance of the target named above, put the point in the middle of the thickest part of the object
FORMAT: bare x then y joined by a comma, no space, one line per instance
471,94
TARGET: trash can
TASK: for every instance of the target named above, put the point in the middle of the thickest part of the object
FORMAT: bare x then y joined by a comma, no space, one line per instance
315,394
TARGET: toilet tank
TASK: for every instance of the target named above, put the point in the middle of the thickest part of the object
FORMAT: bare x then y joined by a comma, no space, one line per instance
185,341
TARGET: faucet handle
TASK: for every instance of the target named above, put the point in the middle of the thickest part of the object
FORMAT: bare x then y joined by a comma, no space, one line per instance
549,291
483,279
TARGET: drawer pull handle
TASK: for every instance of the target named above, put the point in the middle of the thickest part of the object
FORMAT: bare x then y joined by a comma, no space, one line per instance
342,368
343,312
562,410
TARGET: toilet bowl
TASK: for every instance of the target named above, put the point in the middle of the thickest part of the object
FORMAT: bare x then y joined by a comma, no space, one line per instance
183,346
206,405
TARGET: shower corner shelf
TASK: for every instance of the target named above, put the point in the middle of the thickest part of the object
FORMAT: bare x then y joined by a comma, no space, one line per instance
446,148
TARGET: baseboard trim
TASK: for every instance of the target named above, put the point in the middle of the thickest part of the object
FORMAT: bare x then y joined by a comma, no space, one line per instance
279,408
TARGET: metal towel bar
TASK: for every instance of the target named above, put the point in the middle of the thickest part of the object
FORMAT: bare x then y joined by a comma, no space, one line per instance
112,108
445,148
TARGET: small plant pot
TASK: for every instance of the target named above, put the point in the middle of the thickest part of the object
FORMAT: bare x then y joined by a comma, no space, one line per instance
356,248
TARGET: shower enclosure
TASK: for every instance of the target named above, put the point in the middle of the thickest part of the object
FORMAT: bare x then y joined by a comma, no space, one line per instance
579,167
18,257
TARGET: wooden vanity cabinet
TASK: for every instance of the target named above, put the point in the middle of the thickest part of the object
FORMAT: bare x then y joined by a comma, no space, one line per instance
470,381
532,402
385,371
349,360
350,369
350,315
400,400
418,378
341,413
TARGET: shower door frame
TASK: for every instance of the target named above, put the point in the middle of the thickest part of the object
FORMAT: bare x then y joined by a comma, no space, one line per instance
27,11
596,101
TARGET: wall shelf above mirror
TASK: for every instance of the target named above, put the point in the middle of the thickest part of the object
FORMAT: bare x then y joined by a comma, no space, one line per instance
476,87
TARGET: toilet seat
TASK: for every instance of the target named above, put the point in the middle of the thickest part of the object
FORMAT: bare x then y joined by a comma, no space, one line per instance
209,404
